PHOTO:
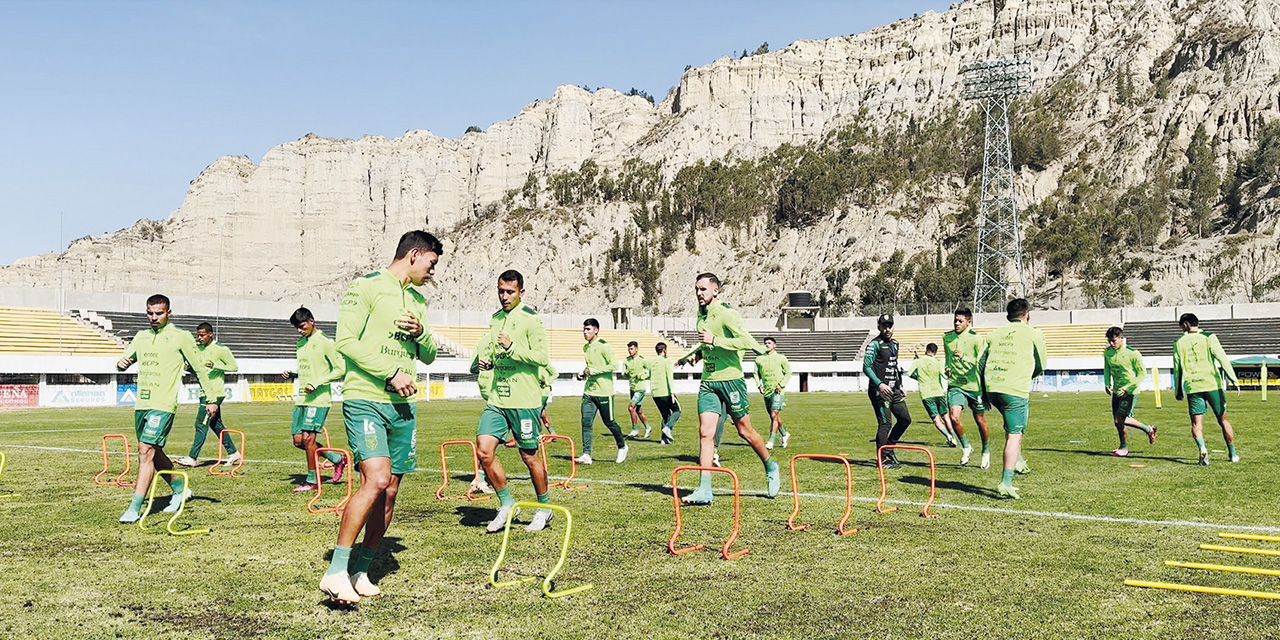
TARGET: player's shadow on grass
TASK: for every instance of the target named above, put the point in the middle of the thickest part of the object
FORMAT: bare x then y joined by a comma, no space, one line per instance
1107,454
951,485
476,516
385,562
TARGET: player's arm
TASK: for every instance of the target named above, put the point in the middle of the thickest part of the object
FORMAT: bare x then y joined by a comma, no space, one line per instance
1106,371
739,339
1220,354
600,359
192,355
225,362
427,348
1176,373
1041,354
534,349
337,364
759,376
692,356
914,371
868,360
129,356
786,373
982,370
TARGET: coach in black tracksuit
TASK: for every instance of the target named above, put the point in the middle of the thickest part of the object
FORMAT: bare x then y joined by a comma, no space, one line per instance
887,399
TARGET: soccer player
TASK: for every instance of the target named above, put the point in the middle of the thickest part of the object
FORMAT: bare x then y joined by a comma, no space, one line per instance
597,394
382,331
518,353
217,361
637,370
484,379
662,379
963,347
1198,366
1121,372
927,371
773,372
880,364
319,366
722,334
1015,354
162,352
546,376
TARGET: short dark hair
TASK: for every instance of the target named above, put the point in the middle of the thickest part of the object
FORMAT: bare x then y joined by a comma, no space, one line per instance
1114,332
770,339
661,348
591,322
511,275
206,326
159,298
300,316
420,240
707,275
633,343
966,312
932,347
1017,308
1189,319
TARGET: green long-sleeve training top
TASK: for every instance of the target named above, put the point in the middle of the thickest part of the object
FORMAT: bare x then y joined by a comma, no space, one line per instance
1015,354
319,365
600,367
962,352
662,376
375,348
1122,369
217,354
637,370
773,372
516,368
927,371
1199,363
162,355
722,360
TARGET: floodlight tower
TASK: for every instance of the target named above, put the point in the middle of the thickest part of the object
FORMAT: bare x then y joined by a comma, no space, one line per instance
994,82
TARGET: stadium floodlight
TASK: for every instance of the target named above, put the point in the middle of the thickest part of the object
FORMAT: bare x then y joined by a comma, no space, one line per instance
999,239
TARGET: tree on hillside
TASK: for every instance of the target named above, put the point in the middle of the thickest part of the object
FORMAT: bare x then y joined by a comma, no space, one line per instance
1200,179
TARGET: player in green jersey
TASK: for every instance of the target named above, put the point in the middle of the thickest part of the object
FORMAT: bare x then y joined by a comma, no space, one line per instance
722,334
1122,371
1199,364
217,361
637,370
319,366
773,372
963,347
162,352
597,393
1015,354
484,380
382,334
519,353
927,372
662,379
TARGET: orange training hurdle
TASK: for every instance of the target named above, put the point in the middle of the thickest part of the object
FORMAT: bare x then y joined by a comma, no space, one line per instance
848,492
573,465
222,448
933,479
324,462
311,508
737,514
444,472
106,464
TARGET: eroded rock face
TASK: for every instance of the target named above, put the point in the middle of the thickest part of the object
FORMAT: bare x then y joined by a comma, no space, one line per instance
317,212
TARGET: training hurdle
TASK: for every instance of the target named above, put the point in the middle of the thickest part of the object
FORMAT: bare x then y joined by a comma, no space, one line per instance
444,472
547,584
1199,589
106,463
573,465
326,465
182,505
933,479
848,492
342,504
9,494
222,448
737,514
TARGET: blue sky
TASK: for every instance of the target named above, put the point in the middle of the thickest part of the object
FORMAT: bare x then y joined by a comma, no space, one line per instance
109,109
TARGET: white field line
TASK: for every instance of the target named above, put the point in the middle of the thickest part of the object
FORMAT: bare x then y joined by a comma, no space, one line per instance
937,505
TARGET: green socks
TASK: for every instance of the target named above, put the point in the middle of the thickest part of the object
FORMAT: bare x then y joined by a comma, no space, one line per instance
705,483
772,437
311,477
1007,478
986,447
964,441
1200,444
544,498
1231,450
341,556
176,485
335,458
504,495
136,503
364,559
1144,428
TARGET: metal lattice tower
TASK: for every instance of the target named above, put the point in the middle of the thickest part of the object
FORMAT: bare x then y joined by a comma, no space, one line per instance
994,82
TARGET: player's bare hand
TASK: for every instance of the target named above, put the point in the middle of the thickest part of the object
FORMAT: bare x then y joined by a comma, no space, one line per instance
584,374
410,324
504,340
402,384
707,337
287,375
125,363
211,410
311,388
885,390
484,364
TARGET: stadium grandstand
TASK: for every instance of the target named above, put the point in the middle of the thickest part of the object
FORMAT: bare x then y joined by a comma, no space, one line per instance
35,331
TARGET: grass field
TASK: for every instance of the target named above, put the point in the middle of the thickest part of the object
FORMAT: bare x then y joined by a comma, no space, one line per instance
1050,565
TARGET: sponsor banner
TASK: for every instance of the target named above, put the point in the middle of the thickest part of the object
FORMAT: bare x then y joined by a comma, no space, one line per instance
271,392
190,393
1062,380
126,394
77,395
19,395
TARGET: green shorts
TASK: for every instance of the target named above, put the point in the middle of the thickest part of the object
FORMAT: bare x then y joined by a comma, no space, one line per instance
1013,409
522,423
152,427
957,397
637,397
383,430
775,401
935,406
308,418
1215,400
724,397
1123,406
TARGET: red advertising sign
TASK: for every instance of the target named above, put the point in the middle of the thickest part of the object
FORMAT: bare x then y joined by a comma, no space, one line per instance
19,395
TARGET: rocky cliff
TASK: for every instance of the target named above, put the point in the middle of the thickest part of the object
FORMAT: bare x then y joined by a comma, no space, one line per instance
1128,83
